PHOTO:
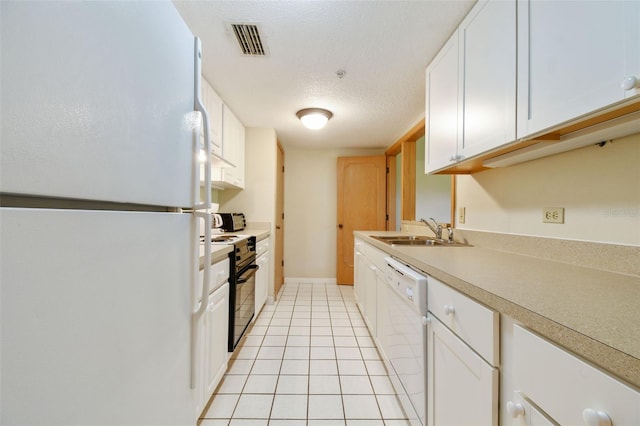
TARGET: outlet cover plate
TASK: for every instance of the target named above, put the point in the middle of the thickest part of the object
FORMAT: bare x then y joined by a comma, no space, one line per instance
553,215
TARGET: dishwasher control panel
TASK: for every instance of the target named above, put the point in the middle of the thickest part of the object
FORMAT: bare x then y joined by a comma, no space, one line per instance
408,283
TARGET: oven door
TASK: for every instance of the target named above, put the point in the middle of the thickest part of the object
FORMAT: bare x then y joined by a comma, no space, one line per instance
244,303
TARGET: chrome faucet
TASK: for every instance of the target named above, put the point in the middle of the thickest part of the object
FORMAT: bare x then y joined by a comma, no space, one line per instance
436,230
450,231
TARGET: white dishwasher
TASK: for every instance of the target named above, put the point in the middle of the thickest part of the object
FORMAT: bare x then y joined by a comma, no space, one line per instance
402,336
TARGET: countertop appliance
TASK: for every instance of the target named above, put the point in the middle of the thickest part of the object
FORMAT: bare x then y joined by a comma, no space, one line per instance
403,336
233,222
100,208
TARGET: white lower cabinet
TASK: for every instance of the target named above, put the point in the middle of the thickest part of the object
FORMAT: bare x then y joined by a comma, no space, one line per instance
462,359
552,386
359,273
262,275
369,279
367,291
216,326
462,388
211,334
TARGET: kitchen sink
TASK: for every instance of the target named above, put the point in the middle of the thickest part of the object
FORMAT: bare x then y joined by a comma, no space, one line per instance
417,240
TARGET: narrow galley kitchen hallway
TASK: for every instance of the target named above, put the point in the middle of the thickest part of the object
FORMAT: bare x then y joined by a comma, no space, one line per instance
308,360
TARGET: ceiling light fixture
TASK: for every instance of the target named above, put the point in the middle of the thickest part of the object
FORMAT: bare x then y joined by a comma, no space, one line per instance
314,118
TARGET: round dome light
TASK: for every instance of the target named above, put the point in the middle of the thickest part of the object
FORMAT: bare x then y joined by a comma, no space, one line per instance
314,118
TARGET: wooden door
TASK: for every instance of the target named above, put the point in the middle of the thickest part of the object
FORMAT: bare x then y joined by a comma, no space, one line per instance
361,205
279,242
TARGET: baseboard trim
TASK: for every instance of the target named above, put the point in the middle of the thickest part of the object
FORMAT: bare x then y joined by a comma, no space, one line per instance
293,280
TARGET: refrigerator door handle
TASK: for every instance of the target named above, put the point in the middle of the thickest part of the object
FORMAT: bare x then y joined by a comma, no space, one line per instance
206,204
207,261
196,314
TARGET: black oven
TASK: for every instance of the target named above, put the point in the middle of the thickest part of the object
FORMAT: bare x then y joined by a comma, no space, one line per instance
242,286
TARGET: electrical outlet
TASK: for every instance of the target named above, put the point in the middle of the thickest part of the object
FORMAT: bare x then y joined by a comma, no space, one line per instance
461,214
553,215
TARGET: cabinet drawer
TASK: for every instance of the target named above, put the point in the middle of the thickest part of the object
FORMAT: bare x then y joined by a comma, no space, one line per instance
474,323
565,387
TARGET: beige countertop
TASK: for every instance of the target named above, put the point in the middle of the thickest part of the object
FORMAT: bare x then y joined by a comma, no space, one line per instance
218,253
591,312
260,234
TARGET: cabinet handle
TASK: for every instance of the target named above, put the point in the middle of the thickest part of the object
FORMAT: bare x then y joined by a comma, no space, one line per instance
630,82
515,409
592,417
449,309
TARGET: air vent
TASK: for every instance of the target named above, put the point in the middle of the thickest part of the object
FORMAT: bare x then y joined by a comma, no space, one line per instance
248,37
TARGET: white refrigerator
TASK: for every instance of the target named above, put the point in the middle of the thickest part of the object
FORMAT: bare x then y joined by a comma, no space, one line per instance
100,204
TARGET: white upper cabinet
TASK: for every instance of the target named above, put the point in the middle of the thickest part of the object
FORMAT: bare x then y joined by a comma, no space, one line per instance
442,107
233,139
573,58
488,77
471,87
213,104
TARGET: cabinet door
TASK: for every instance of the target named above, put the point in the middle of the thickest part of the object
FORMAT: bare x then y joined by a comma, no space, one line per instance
572,59
371,298
488,87
567,388
442,107
233,135
216,336
213,103
462,389
262,281
360,273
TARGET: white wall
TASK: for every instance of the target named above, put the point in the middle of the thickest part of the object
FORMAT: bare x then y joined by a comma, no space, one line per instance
433,192
598,187
310,207
258,200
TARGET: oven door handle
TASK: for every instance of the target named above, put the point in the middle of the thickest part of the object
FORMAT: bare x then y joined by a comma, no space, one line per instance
245,277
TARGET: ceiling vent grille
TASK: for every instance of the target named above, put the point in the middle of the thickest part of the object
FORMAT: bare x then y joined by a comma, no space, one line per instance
248,37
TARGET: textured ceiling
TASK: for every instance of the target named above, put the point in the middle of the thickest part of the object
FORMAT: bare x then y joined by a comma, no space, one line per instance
384,47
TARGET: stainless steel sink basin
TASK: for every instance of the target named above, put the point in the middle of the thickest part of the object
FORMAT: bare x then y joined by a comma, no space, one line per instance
417,240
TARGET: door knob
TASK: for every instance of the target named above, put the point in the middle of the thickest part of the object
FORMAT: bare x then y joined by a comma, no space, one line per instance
515,409
592,417
630,83
340,226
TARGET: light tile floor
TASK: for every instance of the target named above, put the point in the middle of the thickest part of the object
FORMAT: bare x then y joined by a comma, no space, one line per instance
308,360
